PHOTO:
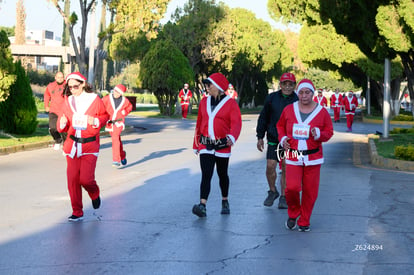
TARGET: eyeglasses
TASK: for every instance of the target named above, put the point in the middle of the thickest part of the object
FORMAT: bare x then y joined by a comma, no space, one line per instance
73,87
287,83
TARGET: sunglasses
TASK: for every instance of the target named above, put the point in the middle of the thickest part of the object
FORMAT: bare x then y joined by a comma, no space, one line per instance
73,87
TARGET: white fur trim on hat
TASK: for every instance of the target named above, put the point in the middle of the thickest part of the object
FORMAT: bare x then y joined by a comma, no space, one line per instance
305,84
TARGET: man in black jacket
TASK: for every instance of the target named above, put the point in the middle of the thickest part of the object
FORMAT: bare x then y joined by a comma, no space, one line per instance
266,124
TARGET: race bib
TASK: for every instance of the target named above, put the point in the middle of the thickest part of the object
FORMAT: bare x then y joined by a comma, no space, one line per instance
79,122
300,131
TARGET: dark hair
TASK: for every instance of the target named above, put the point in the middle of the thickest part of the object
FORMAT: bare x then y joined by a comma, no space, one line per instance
67,92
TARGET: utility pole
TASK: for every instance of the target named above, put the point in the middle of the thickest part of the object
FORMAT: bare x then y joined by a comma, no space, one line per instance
91,77
386,106
368,96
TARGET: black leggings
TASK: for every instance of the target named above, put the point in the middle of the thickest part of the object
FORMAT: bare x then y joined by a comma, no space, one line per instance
207,162
58,137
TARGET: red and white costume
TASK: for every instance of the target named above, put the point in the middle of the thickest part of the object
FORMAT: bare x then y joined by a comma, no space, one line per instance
336,101
321,100
82,156
350,104
117,116
185,96
303,171
233,94
224,121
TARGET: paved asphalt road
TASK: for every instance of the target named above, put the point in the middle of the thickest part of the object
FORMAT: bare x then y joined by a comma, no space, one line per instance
362,222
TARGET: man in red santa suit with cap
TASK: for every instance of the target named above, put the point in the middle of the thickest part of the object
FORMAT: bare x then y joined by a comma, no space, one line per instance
185,96
218,127
82,116
302,128
350,103
336,101
118,107
320,99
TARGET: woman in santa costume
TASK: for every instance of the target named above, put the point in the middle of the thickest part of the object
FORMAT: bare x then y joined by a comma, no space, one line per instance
336,101
350,103
185,96
118,107
217,129
302,128
82,116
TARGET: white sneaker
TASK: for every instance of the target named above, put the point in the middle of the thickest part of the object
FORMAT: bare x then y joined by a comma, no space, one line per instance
56,147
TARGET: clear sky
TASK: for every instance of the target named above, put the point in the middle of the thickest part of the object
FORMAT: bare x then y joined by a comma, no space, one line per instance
41,15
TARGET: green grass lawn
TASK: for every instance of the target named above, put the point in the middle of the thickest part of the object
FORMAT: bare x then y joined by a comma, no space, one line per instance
386,148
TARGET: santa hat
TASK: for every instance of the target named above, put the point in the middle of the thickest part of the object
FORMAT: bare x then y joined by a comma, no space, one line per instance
320,91
76,75
218,80
305,83
288,77
120,89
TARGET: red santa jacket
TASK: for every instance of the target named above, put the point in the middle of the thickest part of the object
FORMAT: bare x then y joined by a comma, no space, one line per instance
86,104
336,100
222,122
321,100
233,95
116,115
350,105
185,96
53,94
291,121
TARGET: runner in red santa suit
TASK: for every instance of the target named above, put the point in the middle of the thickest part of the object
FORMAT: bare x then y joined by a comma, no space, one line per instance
302,128
82,116
320,99
217,129
350,103
118,107
336,101
185,96
232,92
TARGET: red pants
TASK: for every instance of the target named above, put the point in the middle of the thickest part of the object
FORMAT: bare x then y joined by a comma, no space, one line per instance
81,173
349,120
118,152
337,113
184,110
305,179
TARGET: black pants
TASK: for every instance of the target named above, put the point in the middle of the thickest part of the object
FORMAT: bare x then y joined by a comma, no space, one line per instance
207,162
58,137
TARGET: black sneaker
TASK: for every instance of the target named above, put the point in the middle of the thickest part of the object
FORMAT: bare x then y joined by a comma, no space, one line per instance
225,207
290,223
96,203
74,218
124,161
282,203
304,228
271,196
200,210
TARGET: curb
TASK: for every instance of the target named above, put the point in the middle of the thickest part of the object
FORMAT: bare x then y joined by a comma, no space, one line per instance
394,164
393,122
45,144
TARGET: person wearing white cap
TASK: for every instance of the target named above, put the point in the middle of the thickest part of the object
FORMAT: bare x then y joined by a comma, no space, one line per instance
83,114
302,128
266,125
118,107
336,101
232,92
218,127
320,99
185,96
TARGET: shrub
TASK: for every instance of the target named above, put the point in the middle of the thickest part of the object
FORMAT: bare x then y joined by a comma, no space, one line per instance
18,114
42,78
402,131
404,152
402,117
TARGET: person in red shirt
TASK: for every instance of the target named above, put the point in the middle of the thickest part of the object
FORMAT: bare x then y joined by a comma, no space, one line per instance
82,116
217,129
302,128
232,92
185,96
336,101
118,107
320,99
350,103
53,100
